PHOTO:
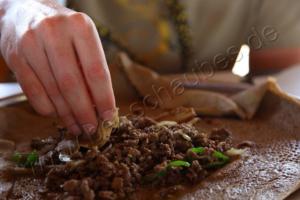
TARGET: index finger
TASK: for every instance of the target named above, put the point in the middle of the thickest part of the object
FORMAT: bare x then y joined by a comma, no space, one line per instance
94,67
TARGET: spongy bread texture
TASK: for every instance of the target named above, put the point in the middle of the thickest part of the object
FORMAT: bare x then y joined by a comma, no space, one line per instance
270,169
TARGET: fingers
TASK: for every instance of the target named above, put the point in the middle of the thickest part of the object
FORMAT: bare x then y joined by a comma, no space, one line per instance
32,87
49,73
70,82
38,61
94,66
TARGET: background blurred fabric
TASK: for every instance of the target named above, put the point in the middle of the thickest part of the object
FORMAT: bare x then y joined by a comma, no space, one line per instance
218,28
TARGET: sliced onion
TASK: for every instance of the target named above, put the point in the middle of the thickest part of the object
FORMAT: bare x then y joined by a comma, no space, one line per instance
183,135
193,121
64,157
235,152
167,123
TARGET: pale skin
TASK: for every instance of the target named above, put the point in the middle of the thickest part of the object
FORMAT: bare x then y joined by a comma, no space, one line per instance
57,57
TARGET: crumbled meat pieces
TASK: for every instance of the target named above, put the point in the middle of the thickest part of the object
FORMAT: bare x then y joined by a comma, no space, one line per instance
87,192
107,195
245,144
137,149
168,192
219,134
117,183
71,186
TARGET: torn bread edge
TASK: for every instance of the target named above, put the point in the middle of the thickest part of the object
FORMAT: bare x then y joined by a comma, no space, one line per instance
243,104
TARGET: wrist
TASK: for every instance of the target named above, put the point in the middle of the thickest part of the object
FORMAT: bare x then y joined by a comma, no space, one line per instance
4,5
11,10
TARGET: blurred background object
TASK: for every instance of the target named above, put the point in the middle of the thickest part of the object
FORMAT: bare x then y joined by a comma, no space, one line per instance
288,80
62,2
5,74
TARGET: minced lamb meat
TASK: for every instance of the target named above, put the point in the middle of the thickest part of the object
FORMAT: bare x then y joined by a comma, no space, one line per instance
140,153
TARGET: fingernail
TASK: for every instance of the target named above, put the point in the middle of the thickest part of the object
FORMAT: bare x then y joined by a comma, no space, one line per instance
75,129
89,129
108,115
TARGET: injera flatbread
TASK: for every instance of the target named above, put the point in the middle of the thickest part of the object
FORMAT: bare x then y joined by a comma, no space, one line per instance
270,170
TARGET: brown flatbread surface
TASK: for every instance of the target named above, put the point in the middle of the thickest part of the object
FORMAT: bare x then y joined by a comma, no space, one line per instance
269,170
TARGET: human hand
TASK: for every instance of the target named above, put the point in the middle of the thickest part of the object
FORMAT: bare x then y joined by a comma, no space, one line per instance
57,57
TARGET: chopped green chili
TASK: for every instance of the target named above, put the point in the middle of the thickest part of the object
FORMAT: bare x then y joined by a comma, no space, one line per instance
175,163
221,160
220,156
198,150
179,163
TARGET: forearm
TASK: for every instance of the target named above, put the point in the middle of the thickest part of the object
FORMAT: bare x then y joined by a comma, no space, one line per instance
4,4
26,12
7,7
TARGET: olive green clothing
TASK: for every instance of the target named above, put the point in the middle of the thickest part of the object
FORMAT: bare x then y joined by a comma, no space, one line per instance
217,27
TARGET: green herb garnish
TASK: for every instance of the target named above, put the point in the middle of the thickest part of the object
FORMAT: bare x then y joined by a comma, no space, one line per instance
198,150
25,160
32,158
